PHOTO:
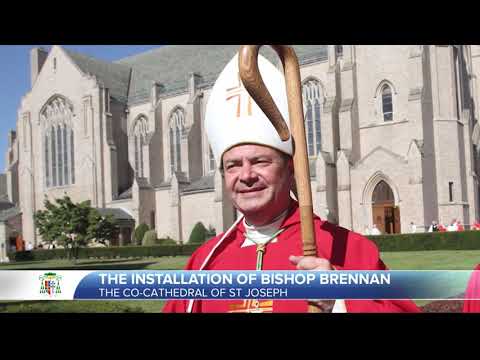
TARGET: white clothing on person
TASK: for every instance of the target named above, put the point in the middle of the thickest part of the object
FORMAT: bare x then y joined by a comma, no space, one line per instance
375,231
452,227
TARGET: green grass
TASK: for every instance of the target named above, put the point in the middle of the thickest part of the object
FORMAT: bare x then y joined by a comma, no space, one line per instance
71,306
162,263
432,260
414,260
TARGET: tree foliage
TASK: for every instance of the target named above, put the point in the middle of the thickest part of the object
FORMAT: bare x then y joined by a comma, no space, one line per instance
198,234
73,225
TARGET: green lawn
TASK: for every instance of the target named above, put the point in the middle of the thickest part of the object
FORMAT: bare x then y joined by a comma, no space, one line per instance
415,260
161,263
432,260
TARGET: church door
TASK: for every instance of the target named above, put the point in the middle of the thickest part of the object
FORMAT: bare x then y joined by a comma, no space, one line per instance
386,216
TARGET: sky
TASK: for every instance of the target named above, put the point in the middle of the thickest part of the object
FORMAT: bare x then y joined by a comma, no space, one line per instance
15,78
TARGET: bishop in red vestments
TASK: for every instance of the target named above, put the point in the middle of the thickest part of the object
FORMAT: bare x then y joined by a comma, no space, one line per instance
258,173
344,249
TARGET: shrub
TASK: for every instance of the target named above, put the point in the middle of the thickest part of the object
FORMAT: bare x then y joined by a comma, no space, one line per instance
107,252
150,238
167,241
140,233
454,240
198,234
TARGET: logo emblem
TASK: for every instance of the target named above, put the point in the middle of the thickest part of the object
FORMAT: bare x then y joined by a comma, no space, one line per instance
50,284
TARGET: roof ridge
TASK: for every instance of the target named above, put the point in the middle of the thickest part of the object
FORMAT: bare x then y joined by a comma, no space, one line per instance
120,61
170,65
89,57
114,76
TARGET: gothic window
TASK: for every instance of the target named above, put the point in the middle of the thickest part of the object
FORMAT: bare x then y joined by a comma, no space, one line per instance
382,194
54,157
387,104
140,132
312,109
58,141
177,128
47,158
65,154
211,159
60,155
72,156
457,79
172,151
152,219
178,149
338,51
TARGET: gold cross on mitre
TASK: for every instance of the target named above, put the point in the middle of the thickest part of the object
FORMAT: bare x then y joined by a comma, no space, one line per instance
238,92
252,306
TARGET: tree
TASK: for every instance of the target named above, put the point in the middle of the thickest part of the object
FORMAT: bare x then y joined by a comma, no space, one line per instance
101,228
73,225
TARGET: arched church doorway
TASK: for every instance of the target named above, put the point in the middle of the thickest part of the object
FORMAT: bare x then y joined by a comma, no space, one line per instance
386,216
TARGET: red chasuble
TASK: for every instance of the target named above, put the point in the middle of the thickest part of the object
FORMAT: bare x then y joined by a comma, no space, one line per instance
473,290
345,249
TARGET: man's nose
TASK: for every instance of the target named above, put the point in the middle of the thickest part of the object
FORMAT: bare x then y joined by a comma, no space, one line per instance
247,175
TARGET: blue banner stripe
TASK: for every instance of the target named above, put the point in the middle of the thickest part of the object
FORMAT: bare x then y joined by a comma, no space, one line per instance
162,285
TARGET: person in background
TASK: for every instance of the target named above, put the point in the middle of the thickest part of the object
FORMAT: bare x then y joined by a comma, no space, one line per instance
442,228
367,230
433,227
375,230
460,226
453,225
413,228
476,225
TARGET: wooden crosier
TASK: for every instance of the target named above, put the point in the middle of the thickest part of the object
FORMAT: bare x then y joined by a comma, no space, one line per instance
252,80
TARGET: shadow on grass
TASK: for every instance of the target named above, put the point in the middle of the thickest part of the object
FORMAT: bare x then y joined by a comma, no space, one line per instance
20,263
108,261
96,266
114,266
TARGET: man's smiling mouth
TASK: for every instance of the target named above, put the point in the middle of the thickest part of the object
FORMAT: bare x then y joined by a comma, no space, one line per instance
247,191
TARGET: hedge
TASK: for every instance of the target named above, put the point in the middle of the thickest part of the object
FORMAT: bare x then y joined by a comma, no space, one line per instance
107,252
464,240
451,240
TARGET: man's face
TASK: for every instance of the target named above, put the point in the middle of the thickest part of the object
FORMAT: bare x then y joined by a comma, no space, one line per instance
258,179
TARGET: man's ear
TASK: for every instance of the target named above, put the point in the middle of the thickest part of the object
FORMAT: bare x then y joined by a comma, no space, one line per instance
290,166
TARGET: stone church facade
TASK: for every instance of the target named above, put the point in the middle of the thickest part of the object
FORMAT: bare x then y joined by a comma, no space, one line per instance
392,136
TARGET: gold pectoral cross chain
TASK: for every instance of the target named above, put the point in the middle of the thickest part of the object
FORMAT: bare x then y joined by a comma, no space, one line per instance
261,249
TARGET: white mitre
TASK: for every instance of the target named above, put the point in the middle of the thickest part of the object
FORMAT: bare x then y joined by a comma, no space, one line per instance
232,117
